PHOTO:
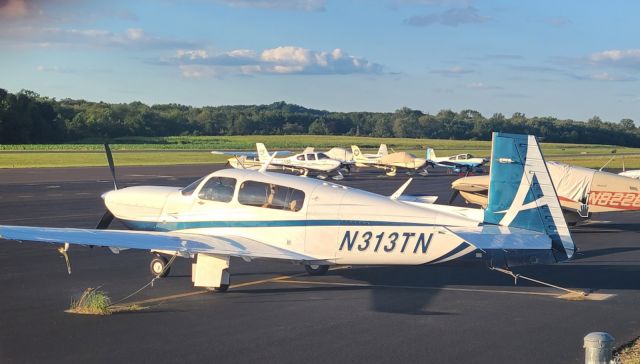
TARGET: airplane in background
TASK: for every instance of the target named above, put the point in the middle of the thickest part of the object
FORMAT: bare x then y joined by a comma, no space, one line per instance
305,162
390,162
632,173
581,191
262,215
459,163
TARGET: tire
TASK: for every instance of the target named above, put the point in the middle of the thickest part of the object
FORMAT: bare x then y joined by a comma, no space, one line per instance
316,269
223,288
158,263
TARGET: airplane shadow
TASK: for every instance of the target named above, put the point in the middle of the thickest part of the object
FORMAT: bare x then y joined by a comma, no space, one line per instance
410,290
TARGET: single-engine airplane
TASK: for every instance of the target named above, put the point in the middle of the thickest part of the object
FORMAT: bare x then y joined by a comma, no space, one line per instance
581,191
460,163
262,215
389,162
305,162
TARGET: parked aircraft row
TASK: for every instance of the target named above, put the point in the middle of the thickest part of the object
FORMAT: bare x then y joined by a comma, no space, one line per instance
338,160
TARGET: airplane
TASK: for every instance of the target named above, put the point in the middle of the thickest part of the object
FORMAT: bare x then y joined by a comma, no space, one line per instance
303,162
582,191
263,215
461,162
389,162
632,173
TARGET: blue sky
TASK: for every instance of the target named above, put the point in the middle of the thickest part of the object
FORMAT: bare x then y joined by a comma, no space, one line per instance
569,59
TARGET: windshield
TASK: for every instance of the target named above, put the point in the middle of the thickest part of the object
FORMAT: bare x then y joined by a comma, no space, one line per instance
323,156
188,191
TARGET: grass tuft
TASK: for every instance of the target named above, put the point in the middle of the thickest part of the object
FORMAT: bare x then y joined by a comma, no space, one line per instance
92,302
629,354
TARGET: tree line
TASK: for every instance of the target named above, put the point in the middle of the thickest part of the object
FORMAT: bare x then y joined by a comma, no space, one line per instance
28,118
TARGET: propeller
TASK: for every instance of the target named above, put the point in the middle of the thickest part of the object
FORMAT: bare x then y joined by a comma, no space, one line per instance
105,221
107,218
453,197
111,166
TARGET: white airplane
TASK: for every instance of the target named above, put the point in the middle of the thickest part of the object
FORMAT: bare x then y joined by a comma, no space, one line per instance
262,215
632,173
303,162
389,162
461,162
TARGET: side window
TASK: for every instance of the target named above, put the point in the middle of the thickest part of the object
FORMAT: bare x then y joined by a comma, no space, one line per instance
188,191
218,189
270,196
311,157
300,157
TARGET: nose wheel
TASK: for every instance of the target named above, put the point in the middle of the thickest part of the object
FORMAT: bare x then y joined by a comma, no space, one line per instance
158,266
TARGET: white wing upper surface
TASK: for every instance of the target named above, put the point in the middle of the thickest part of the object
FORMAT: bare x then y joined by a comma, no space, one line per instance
169,241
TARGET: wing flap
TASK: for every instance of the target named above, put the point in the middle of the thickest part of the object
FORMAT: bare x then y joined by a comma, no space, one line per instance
169,241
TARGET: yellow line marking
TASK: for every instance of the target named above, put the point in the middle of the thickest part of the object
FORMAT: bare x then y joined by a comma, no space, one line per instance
189,294
531,293
159,299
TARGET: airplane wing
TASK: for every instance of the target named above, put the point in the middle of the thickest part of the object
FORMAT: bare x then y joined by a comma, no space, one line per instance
235,246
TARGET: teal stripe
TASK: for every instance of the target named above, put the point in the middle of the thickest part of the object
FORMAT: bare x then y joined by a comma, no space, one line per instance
171,226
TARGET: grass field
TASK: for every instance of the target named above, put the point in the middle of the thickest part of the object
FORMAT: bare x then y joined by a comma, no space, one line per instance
195,150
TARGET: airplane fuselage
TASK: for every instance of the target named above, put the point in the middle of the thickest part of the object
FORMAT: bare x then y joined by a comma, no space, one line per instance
337,224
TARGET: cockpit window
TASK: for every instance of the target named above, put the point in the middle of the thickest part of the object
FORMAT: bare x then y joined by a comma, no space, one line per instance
323,156
188,191
218,189
269,195
300,157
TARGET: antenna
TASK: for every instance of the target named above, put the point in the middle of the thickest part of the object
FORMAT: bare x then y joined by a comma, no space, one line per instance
396,195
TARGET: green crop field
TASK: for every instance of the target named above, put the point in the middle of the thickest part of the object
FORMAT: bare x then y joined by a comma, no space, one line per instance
192,150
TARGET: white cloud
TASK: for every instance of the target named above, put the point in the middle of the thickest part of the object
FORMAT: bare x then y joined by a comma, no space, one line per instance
303,5
132,38
452,17
197,71
481,86
617,57
453,71
279,60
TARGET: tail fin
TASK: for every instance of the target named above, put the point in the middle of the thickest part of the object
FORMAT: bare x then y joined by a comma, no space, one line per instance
263,154
357,154
521,193
382,151
431,154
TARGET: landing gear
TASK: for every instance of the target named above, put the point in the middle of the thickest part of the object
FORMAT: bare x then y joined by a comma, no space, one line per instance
316,269
158,266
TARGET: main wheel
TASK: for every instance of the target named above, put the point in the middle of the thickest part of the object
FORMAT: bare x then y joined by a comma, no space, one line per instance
157,266
316,269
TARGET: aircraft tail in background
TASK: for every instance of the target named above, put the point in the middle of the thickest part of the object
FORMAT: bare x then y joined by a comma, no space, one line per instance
263,154
382,151
431,154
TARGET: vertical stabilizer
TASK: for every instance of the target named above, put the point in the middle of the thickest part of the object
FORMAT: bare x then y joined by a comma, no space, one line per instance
263,154
382,151
357,154
521,193
431,154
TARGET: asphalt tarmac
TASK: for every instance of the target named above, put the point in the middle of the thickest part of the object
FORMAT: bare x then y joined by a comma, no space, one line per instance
275,313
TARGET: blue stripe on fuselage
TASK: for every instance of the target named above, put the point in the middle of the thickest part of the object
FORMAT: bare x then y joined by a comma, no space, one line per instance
171,226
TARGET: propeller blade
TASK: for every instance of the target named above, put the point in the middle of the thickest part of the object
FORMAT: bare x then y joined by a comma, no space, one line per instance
454,195
105,221
111,165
